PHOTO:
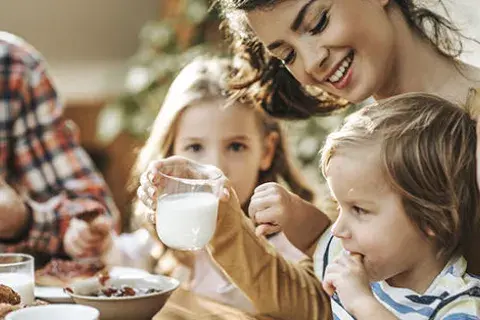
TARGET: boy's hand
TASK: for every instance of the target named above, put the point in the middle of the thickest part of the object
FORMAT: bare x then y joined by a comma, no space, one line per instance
348,278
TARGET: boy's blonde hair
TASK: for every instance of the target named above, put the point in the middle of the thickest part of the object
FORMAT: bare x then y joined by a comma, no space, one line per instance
428,148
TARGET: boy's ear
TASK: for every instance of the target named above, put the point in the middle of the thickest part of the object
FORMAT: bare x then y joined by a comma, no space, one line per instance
271,142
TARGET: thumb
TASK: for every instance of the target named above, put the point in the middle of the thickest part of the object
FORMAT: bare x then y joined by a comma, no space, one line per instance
267,229
329,287
226,190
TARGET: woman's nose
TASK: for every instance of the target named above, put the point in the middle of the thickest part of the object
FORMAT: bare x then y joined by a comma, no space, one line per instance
314,59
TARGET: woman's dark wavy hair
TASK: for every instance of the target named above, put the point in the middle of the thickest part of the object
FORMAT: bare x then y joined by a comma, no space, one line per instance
270,84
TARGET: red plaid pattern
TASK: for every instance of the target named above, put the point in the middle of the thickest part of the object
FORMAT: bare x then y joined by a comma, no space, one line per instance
39,152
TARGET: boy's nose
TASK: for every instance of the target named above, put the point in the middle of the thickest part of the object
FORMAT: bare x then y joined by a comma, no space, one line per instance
340,228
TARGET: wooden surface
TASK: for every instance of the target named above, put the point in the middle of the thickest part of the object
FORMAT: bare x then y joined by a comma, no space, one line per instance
184,305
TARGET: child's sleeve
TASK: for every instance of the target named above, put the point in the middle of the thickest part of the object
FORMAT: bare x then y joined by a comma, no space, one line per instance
276,287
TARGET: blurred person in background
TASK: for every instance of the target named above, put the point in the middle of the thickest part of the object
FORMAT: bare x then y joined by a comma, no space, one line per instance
46,178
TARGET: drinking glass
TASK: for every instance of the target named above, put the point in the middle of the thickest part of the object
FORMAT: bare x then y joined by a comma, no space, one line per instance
17,272
187,205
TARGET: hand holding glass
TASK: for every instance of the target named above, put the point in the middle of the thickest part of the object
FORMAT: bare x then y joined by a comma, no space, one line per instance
187,205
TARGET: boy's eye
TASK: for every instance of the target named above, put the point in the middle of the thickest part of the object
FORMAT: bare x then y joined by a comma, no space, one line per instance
321,25
359,210
195,147
236,147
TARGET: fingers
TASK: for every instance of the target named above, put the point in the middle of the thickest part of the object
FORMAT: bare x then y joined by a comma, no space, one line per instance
328,284
269,216
259,203
101,226
145,198
351,261
332,273
88,240
267,229
225,195
153,181
267,186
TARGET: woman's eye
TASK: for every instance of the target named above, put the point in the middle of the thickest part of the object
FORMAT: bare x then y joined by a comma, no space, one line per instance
236,147
195,147
290,58
320,26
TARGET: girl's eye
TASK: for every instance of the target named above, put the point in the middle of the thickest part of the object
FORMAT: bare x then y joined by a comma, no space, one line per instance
237,147
321,25
195,147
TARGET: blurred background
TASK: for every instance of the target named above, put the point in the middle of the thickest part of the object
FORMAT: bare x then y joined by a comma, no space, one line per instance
113,60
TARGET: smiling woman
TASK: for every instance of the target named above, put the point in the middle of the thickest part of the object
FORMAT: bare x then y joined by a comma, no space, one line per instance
351,49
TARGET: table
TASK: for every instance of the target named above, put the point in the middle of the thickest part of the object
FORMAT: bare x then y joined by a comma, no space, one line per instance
185,305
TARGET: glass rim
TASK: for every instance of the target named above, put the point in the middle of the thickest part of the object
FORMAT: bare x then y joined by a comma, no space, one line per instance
28,259
218,174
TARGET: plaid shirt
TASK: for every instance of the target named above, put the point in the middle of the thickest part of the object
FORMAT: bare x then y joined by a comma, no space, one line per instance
40,154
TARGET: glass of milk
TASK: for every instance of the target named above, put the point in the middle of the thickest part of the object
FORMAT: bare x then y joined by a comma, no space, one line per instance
17,272
187,205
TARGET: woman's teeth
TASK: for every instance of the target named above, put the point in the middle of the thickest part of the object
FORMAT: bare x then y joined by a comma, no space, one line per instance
342,70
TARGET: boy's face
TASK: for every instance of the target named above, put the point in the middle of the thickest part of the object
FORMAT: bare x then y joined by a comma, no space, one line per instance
372,221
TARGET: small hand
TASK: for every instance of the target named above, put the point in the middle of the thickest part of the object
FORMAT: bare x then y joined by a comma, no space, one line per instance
84,240
270,208
348,278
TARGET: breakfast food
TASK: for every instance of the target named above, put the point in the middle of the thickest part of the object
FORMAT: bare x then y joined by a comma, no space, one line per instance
10,301
61,273
8,295
123,291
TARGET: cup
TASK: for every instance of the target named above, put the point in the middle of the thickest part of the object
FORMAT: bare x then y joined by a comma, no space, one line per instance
17,272
187,205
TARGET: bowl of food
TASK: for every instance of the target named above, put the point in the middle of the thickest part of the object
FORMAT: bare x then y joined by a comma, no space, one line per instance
55,312
124,297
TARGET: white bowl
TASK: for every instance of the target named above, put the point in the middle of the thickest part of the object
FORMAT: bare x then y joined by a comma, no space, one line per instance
55,312
133,307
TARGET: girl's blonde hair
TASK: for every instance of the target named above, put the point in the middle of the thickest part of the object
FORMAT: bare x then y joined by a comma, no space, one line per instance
203,79
428,148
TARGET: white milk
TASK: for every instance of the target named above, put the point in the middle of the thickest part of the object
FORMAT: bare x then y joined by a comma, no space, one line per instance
187,221
22,283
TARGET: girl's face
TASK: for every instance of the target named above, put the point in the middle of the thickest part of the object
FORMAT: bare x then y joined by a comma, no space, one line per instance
345,47
372,221
228,138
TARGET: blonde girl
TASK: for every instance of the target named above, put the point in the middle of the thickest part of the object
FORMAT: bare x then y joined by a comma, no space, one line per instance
198,120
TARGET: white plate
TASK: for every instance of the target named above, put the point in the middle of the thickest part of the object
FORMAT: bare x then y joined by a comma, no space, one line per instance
56,294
